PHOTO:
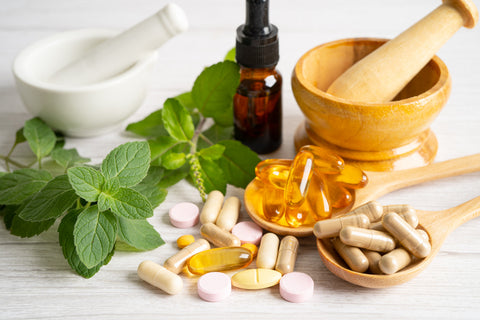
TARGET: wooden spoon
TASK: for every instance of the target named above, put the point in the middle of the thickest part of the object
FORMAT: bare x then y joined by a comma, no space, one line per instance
380,183
438,225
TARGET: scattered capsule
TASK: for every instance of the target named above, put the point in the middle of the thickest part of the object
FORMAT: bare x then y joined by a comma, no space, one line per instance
254,279
406,235
373,259
373,210
287,255
212,207
405,211
219,237
160,277
331,227
228,216
185,240
219,259
253,248
176,262
268,251
353,256
368,239
394,260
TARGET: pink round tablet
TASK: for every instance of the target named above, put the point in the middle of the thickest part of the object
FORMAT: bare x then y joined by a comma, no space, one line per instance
214,286
296,287
248,232
184,215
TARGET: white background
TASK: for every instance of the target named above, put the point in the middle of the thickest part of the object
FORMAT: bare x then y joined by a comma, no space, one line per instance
36,281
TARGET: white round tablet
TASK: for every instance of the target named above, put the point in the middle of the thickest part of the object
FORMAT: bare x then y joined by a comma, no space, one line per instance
184,215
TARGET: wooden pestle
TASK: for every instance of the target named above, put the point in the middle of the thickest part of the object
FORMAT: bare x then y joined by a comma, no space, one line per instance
381,75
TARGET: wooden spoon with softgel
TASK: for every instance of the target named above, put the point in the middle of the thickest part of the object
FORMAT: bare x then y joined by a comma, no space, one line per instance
379,184
438,225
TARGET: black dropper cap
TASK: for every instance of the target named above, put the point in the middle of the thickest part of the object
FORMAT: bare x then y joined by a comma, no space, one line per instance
257,39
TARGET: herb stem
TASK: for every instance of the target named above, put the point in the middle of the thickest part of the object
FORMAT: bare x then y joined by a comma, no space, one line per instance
204,138
15,163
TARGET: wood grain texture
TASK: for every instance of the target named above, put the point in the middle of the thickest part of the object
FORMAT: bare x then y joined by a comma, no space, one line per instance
36,281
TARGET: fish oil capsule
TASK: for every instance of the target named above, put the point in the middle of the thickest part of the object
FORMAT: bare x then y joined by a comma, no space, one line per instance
351,177
406,235
287,255
405,211
318,198
253,248
368,239
176,262
219,259
295,216
228,216
269,163
160,277
273,203
219,237
339,196
373,210
212,207
185,240
353,256
331,227
324,161
373,259
299,179
395,260
275,175
268,251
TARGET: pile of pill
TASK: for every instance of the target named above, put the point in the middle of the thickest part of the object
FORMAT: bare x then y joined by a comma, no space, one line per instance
236,248
383,240
307,189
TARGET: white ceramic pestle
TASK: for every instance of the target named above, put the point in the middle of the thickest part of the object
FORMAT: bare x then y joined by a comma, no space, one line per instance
113,56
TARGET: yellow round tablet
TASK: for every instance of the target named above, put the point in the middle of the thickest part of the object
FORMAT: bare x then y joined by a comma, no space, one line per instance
254,279
185,240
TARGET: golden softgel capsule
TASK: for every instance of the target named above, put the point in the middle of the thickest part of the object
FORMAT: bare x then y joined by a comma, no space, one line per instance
219,259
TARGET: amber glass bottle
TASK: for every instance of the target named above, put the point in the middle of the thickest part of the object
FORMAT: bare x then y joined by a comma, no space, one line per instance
258,101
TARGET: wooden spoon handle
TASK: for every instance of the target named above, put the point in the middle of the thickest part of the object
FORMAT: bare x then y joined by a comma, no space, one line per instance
403,178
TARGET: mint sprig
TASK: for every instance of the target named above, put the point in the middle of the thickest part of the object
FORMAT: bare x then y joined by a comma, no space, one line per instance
96,206
192,134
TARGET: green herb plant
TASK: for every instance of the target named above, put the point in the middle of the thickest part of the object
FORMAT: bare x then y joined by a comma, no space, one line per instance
192,134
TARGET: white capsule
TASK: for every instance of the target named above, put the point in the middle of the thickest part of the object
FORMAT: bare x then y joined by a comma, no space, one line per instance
160,277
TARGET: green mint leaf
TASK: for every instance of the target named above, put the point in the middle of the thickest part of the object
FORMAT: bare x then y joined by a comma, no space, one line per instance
154,194
3,173
172,177
212,153
87,182
139,234
214,89
8,213
128,162
67,157
111,186
177,120
60,143
173,160
238,163
19,137
161,146
154,176
28,229
122,246
126,203
94,235
51,202
186,100
215,134
230,56
151,126
213,178
17,186
40,137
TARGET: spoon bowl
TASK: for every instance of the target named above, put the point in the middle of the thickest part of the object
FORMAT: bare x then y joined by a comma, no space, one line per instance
379,184
438,225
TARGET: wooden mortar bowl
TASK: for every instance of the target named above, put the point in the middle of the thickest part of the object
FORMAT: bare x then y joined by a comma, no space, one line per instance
375,136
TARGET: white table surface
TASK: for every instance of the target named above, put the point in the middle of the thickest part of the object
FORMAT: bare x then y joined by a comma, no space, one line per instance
36,281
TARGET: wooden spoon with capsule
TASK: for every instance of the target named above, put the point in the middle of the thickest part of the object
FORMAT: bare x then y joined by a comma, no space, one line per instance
379,184
438,225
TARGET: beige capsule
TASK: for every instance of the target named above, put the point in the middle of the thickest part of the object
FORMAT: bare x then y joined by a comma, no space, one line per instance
228,216
395,260
287,255
177,262
406,211
367,239
218,236
406,235
211,208
410,218
373,259
353,256
373,210
160,277
331,227
268,251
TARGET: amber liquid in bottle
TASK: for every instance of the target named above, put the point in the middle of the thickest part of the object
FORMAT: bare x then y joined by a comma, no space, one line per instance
258,109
